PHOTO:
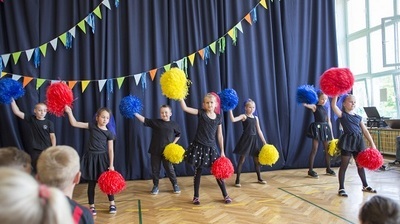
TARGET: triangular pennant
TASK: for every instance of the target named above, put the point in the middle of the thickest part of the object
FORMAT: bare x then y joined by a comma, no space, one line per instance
106,3
84,84
248,18
16,77
3,74
264,4
82,25
120,80
72,31
137,78
5,57
43,49
97,12
16,56
179,63
191,58
29,53
71,84
231,33
153,74
201,53
39,83
101,84
212,46
239,26
63,38
167,67
54,81
54,43
26,81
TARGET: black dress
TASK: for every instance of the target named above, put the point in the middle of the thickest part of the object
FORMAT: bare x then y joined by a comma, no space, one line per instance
248,143
320,129
352,138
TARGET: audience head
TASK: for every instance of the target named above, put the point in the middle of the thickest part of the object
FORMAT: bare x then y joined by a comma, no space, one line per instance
379,210
58,166
15,158
23,200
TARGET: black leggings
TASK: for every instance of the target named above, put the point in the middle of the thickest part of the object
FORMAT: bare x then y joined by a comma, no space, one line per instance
240,165
91,190
196,180
345,159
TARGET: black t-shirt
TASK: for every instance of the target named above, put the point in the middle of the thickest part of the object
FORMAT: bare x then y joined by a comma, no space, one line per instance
207,129
99,138
163,133
80,213
41,130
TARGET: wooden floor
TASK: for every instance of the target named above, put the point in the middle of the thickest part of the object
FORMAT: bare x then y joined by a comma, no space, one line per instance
288,197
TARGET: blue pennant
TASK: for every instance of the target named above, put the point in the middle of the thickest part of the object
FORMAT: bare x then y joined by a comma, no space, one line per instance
116,3
207,54
1,64
68,42
36,57
90,21
110,88
143,80
253,15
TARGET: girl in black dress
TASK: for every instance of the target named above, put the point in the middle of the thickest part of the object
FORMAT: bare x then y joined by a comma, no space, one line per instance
202,152
248,143
320,130
99,157
351,142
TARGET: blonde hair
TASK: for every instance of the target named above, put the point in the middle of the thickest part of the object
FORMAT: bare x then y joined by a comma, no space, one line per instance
23,200
14,157
57,166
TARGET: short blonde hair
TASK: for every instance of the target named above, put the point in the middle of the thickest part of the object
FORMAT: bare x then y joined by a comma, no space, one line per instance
14,157
57,166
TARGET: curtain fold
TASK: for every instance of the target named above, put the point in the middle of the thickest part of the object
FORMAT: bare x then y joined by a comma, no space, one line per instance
292,43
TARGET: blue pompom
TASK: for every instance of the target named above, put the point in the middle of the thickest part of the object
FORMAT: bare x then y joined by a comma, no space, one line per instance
229,99
130,105
306,94
10,89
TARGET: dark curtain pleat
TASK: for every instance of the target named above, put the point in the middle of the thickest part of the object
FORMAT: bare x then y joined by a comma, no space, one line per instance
291,44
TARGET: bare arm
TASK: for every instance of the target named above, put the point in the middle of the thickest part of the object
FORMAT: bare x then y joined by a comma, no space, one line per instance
221,140
176,139
139,117
241,117
260,133
335,108
367,135
111,153
73,121
53,139
312,107
15,109
187,109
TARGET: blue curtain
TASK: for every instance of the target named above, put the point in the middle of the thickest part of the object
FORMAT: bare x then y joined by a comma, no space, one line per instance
287,45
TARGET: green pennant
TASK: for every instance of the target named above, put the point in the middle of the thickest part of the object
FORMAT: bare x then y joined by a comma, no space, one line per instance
212,46
97,12
63,38
167,67
39,83
82,25
120,80
16,56
43,49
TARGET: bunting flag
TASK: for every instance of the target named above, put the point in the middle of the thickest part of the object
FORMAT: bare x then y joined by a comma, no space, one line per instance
217,46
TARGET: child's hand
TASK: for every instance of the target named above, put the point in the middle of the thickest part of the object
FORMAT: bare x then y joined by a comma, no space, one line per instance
111,168
67,109
222,154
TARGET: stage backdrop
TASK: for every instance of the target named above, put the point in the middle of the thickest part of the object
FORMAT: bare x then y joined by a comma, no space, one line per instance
106,50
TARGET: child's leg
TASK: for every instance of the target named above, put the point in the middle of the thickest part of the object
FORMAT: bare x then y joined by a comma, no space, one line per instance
258,169
342,170
112,208
169,169
361,174
327,156
312,154
221,184
239,168
90,192
196,181
155,168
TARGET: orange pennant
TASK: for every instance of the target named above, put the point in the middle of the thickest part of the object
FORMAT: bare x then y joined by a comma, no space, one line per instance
26,81
71,84
201,53
153,74
248,18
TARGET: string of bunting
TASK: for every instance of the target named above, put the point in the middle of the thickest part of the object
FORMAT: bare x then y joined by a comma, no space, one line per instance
217,46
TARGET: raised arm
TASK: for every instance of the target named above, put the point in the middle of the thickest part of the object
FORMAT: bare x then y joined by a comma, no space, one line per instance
260,133
73,121
110,144
312,107
187,109
241,117
335,108
220,138
139,117
15,109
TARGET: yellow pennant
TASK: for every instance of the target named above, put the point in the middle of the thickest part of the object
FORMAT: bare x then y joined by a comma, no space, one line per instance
84,85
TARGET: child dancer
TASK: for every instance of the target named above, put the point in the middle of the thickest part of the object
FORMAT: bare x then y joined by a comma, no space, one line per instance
351,141
248,142
164,131
99,156
202,152
43,135
320,130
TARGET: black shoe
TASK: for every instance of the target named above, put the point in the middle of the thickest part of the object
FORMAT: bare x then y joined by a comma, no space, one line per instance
312,173
330,172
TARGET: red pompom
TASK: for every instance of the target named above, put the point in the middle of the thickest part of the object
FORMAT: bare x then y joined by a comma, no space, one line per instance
336,81
370,159
58,96
222,168
111,182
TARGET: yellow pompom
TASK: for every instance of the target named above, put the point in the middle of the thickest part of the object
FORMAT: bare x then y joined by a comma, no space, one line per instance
268,155
174,84
333,150
174,153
